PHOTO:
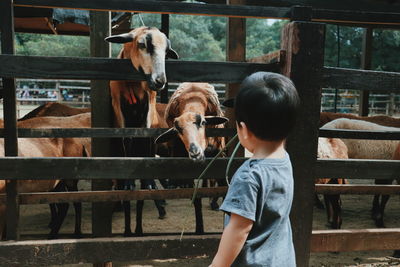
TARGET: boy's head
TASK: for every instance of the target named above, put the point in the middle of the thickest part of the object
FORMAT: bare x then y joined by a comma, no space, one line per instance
267,103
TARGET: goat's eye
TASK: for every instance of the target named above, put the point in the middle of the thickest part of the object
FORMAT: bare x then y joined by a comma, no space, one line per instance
142,45
203,123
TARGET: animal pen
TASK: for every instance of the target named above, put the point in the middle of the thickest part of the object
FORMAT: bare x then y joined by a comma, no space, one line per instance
301,58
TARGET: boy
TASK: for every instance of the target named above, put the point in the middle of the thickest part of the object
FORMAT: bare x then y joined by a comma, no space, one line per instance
257,206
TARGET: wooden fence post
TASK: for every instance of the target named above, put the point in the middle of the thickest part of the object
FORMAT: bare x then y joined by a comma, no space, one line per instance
10,117
304,45
100,27
366,64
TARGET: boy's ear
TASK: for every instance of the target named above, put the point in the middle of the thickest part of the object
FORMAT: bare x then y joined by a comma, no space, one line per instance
244,130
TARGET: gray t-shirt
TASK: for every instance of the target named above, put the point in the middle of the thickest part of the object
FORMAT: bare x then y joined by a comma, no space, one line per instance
262,191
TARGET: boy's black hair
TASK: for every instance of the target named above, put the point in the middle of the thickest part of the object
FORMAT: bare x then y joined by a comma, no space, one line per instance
267,102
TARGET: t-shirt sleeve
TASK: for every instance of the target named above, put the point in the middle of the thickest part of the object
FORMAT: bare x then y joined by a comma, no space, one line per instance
241,198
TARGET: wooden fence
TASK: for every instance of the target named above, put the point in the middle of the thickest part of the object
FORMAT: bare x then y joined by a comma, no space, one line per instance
302,41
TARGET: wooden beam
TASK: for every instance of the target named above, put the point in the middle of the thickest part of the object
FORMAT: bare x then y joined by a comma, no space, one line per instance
356,189
179,168
37,67
110,168
304,42
164,29
69,251
108,132
115,195
357,169
163,7
235,52
366,64
356,134
100,28
355,240
10,117
361,79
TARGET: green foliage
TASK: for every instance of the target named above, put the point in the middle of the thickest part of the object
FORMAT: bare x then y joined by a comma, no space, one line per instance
52,45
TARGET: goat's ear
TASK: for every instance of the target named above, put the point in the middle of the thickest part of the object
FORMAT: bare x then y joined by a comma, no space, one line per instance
215,120
229,103
171,53
165,137
120,38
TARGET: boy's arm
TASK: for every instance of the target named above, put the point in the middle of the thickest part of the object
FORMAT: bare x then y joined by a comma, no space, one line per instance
232,240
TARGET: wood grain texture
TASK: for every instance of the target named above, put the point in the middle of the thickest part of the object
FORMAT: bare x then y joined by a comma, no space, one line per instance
355,240
121,69
361,79
163,7
116,195
107,132
356,189
120,249
304,42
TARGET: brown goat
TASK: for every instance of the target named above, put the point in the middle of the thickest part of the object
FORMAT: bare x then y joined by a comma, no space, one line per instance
54,109
379,202
192,108
134,102
332,148
48,147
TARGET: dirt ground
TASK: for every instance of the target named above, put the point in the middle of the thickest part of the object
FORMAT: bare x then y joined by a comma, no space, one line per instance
356,215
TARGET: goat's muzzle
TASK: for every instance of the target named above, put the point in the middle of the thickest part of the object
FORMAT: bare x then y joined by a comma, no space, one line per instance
196,153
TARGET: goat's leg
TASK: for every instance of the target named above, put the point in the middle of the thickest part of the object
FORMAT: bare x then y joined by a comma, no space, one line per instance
337,211
139,217
379,220
199,216
62,212
375,207
160,203
72,186
317,202
53,214
329,210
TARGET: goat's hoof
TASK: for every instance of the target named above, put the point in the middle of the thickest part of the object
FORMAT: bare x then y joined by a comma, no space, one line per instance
162,216
214,206
139,234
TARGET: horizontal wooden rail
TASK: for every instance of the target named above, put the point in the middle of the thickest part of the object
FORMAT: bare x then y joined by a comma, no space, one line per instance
361,79
116,249
177,168
108,132
116,195
121,69
357,169
163,7
110,168
355,240
245,11
355,134
87,250
357,189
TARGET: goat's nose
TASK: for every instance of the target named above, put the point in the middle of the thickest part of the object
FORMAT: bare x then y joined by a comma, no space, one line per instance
160,81
195,152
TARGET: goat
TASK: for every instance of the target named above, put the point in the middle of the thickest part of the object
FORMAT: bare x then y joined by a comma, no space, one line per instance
368,149
50,147
326,117
54,109
190,109
134,102
332,148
